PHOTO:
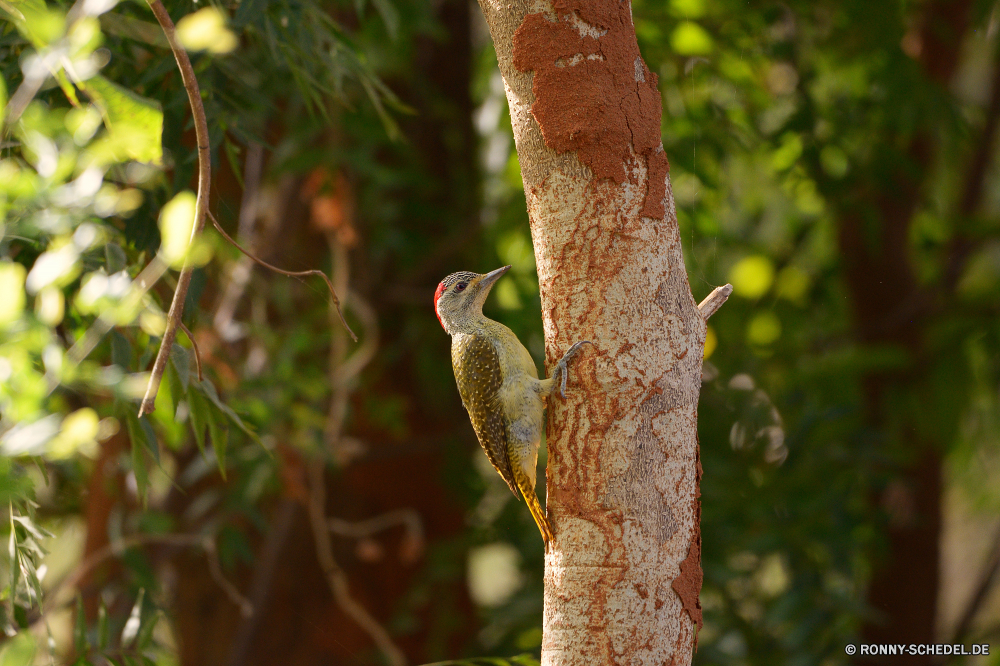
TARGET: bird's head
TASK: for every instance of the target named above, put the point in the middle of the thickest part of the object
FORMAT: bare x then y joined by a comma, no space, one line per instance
460,296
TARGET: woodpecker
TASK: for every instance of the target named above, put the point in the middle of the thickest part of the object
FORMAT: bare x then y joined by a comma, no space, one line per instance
498,383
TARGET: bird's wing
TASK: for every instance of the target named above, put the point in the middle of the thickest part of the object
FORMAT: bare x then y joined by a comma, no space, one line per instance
479,377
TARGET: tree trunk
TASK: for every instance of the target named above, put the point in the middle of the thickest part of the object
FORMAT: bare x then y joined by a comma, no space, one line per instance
623,576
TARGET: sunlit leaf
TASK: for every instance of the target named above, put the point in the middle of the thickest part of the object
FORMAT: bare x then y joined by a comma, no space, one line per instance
711,341
79,431
135,123
30,438
57,266
752,276
688,8
205,30
690,39
19,651
50,306
787,153
176,226
41,24
12,278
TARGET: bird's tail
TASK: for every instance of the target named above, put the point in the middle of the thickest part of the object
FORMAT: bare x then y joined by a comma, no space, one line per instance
535,507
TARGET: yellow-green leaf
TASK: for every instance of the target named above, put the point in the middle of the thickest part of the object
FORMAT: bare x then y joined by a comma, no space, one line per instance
205,30
12,286
135,123
690,39
176,225
752,277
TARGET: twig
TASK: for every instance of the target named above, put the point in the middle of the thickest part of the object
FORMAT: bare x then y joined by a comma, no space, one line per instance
329,284
140,285
201,204
714,301
335,576
240,274
117,548
409,518
197,352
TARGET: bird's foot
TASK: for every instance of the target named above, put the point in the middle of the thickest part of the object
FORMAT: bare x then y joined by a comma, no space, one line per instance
562,366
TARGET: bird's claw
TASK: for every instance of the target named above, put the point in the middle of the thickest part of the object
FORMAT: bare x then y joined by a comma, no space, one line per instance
561,366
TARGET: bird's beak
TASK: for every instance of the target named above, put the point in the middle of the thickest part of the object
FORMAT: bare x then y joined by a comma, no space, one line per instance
486,283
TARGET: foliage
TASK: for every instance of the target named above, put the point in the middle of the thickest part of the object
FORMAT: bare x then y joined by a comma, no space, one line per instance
91,222
780,120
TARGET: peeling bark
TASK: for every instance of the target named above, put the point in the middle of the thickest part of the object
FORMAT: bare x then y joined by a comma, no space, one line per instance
623,576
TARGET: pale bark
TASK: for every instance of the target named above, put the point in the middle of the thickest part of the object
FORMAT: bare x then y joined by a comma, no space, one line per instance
622,578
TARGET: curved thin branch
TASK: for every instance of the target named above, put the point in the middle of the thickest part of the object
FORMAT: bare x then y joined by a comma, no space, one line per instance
201,204
333,292
335,576
408,518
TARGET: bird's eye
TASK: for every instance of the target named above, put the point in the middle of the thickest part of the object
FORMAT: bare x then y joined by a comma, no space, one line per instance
461,286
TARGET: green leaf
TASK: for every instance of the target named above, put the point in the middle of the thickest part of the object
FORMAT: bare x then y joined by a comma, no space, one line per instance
135,123
121,351
145,637
137,435
220,436
389,16
209,390
181,360
103,630
80,627
135,29
690,39
199,418
19,651
40,24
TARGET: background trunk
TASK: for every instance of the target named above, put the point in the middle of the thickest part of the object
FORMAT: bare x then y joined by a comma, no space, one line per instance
622,580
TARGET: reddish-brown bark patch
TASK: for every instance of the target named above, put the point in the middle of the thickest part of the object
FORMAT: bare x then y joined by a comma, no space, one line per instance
595,95
688,584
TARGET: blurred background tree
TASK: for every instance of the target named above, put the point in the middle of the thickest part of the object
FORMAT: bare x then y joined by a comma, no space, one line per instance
835,161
